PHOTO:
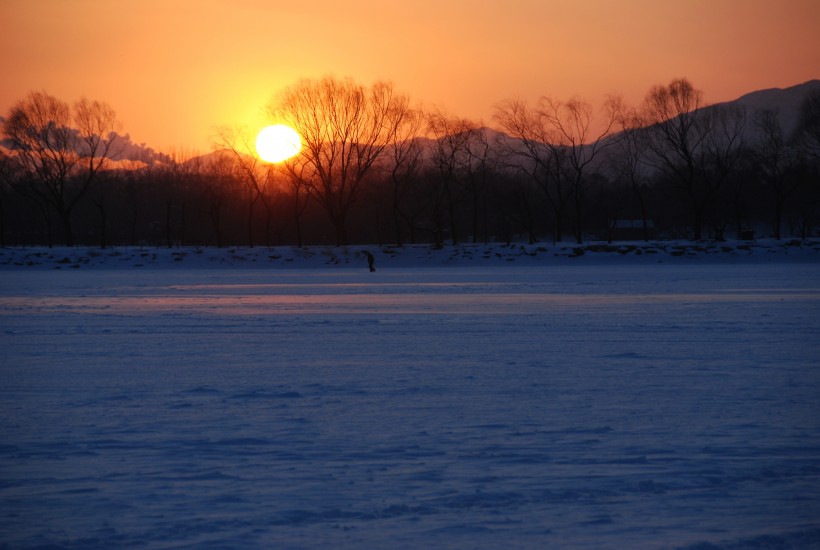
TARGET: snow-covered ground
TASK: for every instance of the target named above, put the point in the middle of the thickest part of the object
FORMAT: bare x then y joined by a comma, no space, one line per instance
484,255
480,397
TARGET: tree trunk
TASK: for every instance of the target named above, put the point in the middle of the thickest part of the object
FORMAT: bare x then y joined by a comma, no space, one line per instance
2,225
250,222
216,220
778,213
340,227
397,224
558,234
67,228
579,231
698,224
100,204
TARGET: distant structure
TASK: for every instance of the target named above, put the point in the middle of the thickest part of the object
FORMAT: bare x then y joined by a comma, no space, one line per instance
631,230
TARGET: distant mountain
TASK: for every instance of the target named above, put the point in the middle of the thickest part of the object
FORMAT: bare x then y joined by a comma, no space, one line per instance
786,101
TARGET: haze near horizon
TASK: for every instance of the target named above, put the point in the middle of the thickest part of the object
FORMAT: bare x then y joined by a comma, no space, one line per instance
175,71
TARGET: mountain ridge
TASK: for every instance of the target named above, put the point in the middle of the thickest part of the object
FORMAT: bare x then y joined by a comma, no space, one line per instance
786,101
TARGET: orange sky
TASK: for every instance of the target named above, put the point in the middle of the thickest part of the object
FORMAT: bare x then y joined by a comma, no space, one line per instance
175,69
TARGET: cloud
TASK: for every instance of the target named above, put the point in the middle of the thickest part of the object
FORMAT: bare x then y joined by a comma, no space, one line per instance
125,149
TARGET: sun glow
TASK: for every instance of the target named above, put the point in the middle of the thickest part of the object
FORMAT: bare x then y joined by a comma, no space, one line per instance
277,143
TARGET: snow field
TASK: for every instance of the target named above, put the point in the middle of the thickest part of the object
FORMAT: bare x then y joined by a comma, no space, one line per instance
637,405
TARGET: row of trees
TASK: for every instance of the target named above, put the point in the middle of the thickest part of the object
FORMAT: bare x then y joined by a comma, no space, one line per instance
376,168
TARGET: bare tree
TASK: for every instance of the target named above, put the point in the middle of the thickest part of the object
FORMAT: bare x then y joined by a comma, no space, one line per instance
61,147
776,161
532,151
572,124
298,174
174,178
345,129
808,128
256,176
807,137
695,147
480,167
629,160
9,177
676,134
220,184
404,162
724,149
450,156
515,203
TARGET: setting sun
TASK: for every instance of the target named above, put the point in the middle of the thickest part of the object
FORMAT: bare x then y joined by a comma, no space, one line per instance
277,143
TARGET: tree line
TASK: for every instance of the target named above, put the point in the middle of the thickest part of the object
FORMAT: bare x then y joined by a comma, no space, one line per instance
376,168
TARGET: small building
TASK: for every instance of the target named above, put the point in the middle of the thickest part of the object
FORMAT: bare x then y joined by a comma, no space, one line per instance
631,230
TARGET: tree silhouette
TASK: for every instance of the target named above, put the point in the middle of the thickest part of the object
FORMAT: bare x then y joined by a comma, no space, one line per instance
345,128
629,160
61,148
776,162
452,157
371,158
695,147
808,128
404,158
533,151
571,122
237,144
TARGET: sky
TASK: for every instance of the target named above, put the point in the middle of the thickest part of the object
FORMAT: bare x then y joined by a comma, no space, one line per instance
175,70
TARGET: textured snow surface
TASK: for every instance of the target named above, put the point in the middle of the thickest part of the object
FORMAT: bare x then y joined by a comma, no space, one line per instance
626,405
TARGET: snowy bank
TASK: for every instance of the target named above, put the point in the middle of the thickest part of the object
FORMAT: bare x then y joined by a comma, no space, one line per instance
388,256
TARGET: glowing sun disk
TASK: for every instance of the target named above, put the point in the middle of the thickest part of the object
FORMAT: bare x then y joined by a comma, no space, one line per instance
277,143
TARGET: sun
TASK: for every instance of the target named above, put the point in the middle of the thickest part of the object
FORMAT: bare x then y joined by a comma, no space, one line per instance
277,143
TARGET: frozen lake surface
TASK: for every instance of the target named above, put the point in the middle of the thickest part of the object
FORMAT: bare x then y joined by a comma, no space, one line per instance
565,406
